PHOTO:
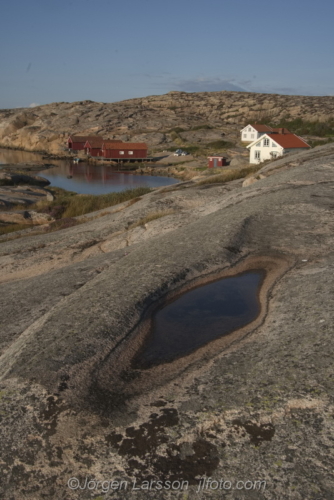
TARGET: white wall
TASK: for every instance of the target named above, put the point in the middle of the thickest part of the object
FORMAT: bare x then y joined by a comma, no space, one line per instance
249,134
265,151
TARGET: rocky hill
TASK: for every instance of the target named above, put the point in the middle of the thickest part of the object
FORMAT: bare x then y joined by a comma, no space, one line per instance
254,406
162,121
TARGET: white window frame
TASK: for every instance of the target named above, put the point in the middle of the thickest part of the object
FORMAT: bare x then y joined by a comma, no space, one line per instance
121,152
257,154
266,142
130,152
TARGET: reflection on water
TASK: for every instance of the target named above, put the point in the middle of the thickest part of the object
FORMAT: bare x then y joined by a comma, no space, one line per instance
86,178
200,316
11,156
99,179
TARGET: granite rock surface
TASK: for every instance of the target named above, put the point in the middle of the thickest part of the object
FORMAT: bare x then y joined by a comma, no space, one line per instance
253,411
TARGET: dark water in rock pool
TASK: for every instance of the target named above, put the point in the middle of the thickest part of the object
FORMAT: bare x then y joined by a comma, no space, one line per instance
200,316
86,178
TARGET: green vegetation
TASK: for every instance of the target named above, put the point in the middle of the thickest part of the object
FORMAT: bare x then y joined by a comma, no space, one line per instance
79,204
303,127
10,228
219,144
231,175
178,130
191,149
320,142
151,216
200,127
68,205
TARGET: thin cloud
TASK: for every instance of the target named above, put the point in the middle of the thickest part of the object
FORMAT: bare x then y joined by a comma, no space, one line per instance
33,105
207,85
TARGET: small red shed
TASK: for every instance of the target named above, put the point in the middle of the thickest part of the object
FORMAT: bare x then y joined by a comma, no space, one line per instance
217,161
77,142
124,151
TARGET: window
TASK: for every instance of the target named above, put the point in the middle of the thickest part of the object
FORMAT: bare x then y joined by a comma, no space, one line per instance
266,141
245,136
259,144
273,145
249,129
257,155
121,152
130,152
252,136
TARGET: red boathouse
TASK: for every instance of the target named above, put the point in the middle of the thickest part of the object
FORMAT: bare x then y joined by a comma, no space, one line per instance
77,142
124,151
93,146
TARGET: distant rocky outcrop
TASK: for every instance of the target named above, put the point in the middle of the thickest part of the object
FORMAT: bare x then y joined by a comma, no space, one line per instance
161,121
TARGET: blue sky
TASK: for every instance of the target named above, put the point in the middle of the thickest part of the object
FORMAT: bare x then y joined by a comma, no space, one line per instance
107,51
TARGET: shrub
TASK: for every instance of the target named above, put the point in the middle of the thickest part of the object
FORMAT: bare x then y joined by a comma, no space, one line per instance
10,228
151,216
303,127
231,175
200,127
83,204
219,144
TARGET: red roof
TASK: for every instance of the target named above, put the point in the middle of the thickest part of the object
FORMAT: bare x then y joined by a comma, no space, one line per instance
82,138
288,141
281,131
124,145
94,143
261,128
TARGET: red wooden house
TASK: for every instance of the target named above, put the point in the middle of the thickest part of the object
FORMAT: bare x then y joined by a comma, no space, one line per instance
124,151
77,142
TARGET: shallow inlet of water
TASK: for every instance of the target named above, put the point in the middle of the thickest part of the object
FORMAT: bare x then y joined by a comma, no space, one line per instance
85,177
199,316
88,178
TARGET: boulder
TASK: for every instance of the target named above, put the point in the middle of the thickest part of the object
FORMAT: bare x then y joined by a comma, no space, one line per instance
13,179
239,161
25,217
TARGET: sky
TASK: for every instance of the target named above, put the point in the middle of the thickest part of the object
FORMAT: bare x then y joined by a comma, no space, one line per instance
108,50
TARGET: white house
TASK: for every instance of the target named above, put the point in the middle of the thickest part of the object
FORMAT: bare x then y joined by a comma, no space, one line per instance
270,146
254,131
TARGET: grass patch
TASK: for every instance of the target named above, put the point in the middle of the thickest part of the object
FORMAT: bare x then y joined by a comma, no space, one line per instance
177,130
11,228
231,175
320,142
191,149
79,204
303,127
151,216
68,205
219,144
202,127
62,224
